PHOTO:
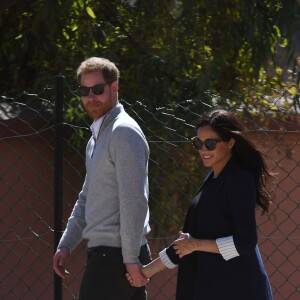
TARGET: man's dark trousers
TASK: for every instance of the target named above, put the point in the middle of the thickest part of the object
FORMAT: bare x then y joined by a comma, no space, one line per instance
104,276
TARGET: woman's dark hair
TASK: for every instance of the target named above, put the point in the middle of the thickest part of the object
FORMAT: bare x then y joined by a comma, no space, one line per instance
227,126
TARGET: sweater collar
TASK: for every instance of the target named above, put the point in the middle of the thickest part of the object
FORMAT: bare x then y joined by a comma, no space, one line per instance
111,115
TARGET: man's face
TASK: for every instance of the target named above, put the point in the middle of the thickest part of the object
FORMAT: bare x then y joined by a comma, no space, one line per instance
98,105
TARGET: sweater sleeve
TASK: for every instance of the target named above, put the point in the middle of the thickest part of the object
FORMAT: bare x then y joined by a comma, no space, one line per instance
172,255
131,153
242,195
165,259
76,223
227,247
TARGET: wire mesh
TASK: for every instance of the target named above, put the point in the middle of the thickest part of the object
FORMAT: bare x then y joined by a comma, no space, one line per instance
27,139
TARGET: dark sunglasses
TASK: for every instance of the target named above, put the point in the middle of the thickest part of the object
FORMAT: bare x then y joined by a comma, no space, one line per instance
210,144
97,89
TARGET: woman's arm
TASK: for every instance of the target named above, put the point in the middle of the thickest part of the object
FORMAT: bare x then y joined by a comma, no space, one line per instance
154,267
186,244
148,270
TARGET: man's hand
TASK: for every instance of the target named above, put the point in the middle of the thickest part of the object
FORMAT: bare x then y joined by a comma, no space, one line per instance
135,276
59,262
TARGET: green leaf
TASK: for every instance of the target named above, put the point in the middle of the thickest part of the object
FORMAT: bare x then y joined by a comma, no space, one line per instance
81,3
293,91
207,49
279,71
19,36
90,12
284,43
277,30
74,27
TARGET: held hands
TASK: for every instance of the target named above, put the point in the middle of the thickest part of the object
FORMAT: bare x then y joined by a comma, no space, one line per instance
135,276
185,245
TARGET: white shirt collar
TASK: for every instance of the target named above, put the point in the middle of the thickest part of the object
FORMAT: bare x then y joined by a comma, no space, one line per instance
95,127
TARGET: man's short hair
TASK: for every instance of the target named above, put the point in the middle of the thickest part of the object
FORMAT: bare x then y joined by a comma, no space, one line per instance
109,70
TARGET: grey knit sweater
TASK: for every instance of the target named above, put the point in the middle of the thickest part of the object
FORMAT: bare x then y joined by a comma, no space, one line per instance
112,208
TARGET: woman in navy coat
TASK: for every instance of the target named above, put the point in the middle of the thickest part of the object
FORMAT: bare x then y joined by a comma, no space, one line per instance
217,253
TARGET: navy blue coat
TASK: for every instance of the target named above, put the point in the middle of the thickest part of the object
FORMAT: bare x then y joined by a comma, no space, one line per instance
224,206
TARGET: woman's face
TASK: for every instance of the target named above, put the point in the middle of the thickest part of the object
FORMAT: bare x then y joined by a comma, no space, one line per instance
217,158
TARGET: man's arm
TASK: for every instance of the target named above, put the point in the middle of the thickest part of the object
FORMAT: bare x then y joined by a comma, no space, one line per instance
76,222
71,236
130,153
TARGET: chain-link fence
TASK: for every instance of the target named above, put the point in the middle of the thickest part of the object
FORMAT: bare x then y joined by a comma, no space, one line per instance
42,170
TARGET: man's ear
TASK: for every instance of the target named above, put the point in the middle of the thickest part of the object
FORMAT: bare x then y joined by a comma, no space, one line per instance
115,87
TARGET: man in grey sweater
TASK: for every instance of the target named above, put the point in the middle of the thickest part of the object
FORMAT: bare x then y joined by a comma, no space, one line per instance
111,211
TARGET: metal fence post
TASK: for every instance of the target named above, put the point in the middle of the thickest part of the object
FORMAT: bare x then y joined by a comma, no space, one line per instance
58,159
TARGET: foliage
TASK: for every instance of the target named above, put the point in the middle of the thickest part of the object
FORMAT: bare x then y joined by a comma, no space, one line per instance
167,50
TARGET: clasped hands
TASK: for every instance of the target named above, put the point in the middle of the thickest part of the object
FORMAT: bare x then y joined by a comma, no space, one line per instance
184,245
135,275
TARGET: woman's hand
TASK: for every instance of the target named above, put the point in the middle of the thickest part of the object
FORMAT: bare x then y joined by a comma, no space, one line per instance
185,245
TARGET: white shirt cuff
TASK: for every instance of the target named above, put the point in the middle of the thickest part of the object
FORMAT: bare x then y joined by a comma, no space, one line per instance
166,260
227,247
